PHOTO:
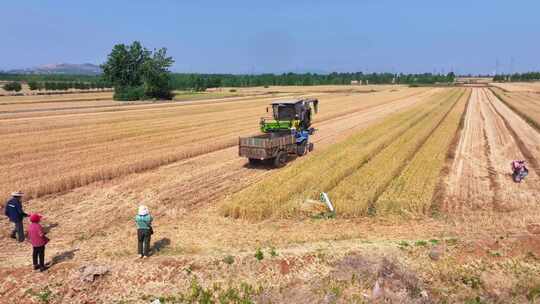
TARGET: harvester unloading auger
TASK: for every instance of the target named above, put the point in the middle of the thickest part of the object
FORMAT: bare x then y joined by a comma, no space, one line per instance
287,133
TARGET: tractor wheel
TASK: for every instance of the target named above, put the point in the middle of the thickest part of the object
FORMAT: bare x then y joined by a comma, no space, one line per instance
301,149
310,147
281,159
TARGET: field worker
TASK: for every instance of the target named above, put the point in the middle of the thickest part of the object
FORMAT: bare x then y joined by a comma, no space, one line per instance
144,230
15,213
39,240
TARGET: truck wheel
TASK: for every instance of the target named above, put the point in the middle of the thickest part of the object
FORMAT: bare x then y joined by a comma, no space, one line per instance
254,161
310,147
301,149
281,159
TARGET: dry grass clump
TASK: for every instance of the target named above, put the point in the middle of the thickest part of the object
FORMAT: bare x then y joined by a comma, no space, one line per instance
357,194
284,192
412,191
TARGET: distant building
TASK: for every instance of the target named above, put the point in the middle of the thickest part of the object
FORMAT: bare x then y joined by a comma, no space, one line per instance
354,82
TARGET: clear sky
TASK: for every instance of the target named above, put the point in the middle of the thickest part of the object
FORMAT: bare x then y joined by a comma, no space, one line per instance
241,36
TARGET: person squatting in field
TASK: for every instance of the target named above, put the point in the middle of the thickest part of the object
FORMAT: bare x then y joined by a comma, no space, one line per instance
39,240
519,170
143,220
15,213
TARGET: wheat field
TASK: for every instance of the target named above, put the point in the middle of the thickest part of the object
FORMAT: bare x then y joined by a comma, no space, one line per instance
54,151
284,193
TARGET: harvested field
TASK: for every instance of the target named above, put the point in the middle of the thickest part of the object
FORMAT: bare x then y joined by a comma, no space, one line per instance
101,144
530,87
488,252
527,105
493,136
13,100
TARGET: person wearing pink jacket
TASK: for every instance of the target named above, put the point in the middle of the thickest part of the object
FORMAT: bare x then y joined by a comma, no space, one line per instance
38,239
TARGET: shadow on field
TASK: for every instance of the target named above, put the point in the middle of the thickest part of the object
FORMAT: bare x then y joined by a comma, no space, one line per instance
64,256
266,164
160,245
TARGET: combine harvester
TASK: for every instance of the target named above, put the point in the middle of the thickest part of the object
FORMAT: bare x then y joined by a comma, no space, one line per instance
288,133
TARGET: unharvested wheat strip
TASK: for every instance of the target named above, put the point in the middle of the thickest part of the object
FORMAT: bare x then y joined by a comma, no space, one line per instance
280,194
411,192
355,195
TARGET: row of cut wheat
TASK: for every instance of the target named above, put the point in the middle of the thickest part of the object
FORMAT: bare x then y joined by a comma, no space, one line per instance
283,194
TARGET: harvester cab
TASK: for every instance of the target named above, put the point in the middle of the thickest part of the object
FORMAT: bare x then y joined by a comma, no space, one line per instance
291,115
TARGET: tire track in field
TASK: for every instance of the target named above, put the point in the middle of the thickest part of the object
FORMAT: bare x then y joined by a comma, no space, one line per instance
492,173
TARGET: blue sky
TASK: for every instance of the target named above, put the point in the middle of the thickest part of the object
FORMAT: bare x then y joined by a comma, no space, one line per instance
279,35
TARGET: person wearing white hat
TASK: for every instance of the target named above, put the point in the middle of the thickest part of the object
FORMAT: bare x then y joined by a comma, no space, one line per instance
15,213
143,219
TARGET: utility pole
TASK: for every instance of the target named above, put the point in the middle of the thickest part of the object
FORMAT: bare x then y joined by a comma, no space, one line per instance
512,65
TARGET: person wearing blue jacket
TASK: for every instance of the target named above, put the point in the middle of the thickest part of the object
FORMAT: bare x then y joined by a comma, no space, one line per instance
15,213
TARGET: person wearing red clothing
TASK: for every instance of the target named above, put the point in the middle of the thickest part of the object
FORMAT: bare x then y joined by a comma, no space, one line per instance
38,239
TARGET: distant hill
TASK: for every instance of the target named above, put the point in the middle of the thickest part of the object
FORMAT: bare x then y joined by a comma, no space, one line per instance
61,69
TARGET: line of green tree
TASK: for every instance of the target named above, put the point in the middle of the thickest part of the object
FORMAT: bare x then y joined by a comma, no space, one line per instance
49,77
13,86
62,86
151,78
530,76
204,81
